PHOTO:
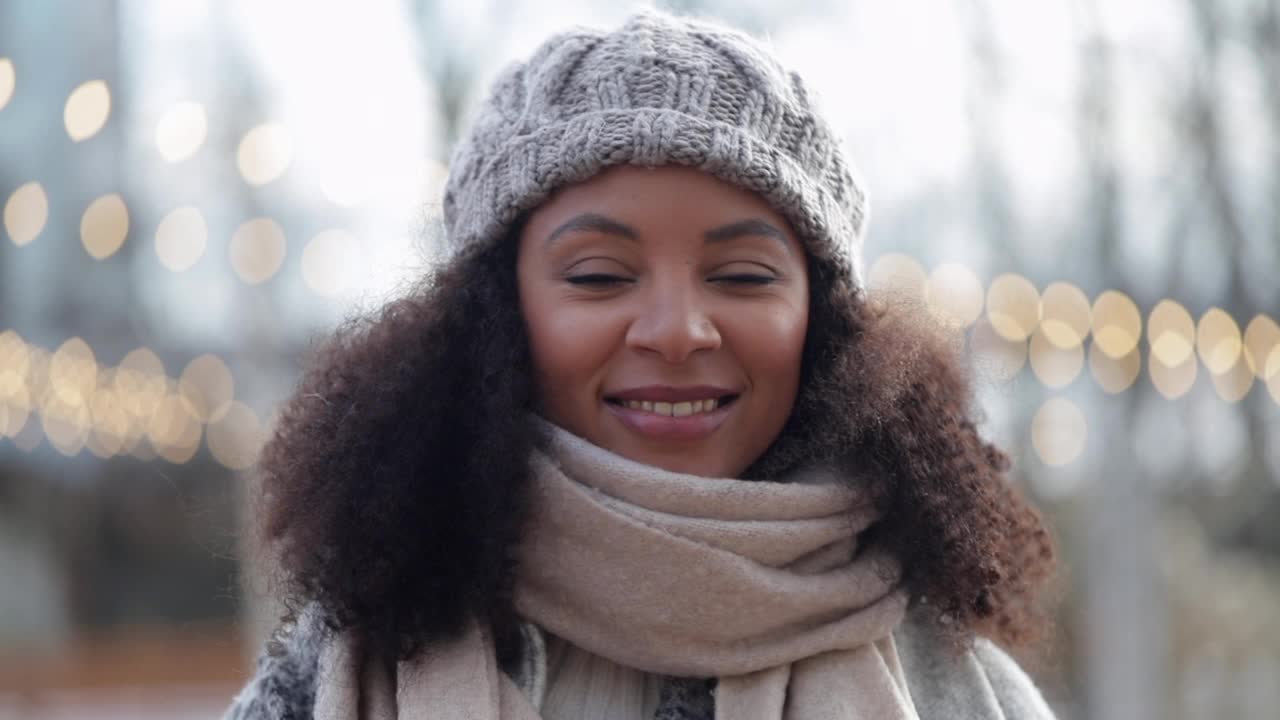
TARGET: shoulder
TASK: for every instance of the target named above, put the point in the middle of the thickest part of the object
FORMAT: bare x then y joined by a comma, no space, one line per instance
977,684
283,686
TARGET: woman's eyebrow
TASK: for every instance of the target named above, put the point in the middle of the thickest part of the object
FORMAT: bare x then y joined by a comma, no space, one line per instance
593,222
743,228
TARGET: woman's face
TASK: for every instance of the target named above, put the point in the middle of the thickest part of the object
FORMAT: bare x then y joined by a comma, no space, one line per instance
666,311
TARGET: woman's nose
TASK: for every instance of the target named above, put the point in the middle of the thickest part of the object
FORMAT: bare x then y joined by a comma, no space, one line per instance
672,322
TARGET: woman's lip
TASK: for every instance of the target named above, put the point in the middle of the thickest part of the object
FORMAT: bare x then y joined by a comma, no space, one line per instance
669,393
665,427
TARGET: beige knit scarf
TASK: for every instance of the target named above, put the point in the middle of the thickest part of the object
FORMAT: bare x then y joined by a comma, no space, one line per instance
760,584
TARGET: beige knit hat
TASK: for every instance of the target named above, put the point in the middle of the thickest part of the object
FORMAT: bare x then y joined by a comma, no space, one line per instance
659,90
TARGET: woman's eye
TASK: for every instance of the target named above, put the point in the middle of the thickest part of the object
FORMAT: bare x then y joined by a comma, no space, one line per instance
596,279
745,279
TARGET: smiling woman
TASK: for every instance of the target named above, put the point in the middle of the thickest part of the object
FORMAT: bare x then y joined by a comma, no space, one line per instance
649,292
642,448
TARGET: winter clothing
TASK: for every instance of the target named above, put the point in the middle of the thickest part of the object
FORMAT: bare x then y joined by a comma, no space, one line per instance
759,584
659,90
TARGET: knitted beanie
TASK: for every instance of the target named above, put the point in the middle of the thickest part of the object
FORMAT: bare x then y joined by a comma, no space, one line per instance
659,90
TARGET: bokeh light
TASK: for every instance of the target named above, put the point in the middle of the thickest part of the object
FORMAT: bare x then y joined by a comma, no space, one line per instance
1172,333
1116,324
25,213
181,131
8,80
257,250
1261,343
1065,316
236,439
1058,431
954,295
895,276
140,383
104,226
996,354
328,262
265,153
15,400
73,372
181,238
173,430
87,110
206,387
66,425
1013,307
1056,366
1218,341
1114,375
111,427
1172,381
1233,384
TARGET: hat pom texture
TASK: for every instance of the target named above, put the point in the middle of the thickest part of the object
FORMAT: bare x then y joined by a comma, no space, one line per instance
659,90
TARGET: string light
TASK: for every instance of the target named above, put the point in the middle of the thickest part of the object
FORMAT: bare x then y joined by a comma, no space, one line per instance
1013,307
236,439
1058,431
1116,324
87,110
181,238
265,153
1056,366
954,295
1218,341
1065,316
257,250
897,277
26,213
8,80
104,226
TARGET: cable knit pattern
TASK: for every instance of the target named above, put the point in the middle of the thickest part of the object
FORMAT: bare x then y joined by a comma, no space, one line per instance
659,90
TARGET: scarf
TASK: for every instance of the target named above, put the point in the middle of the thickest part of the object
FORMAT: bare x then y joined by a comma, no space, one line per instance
760,584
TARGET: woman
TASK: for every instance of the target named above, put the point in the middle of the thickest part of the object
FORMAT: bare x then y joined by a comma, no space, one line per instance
642,448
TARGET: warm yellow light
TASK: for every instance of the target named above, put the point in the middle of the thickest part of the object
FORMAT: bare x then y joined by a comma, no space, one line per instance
1013,307
65,425
1114,375
897,277
15,408
87,110
265,153
1261,340
1172,381
1235,383
111,423
181,131
1172,333
206,387
1273,381
257,250
995,354
73,372
236,439
1055,366
327,262
181,238
1117,324
1065,316
140,383
7,81
954,295
1218,341
104,226
25,213
173,431
1058,431
15,358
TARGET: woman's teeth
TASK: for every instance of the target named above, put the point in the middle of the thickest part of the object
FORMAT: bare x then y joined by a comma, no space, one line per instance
680,409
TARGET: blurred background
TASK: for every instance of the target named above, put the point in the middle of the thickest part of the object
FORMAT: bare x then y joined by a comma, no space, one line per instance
194,192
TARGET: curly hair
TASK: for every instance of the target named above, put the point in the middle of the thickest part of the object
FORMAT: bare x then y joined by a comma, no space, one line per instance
395,488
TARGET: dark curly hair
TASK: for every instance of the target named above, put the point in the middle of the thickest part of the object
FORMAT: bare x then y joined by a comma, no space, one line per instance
395,487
